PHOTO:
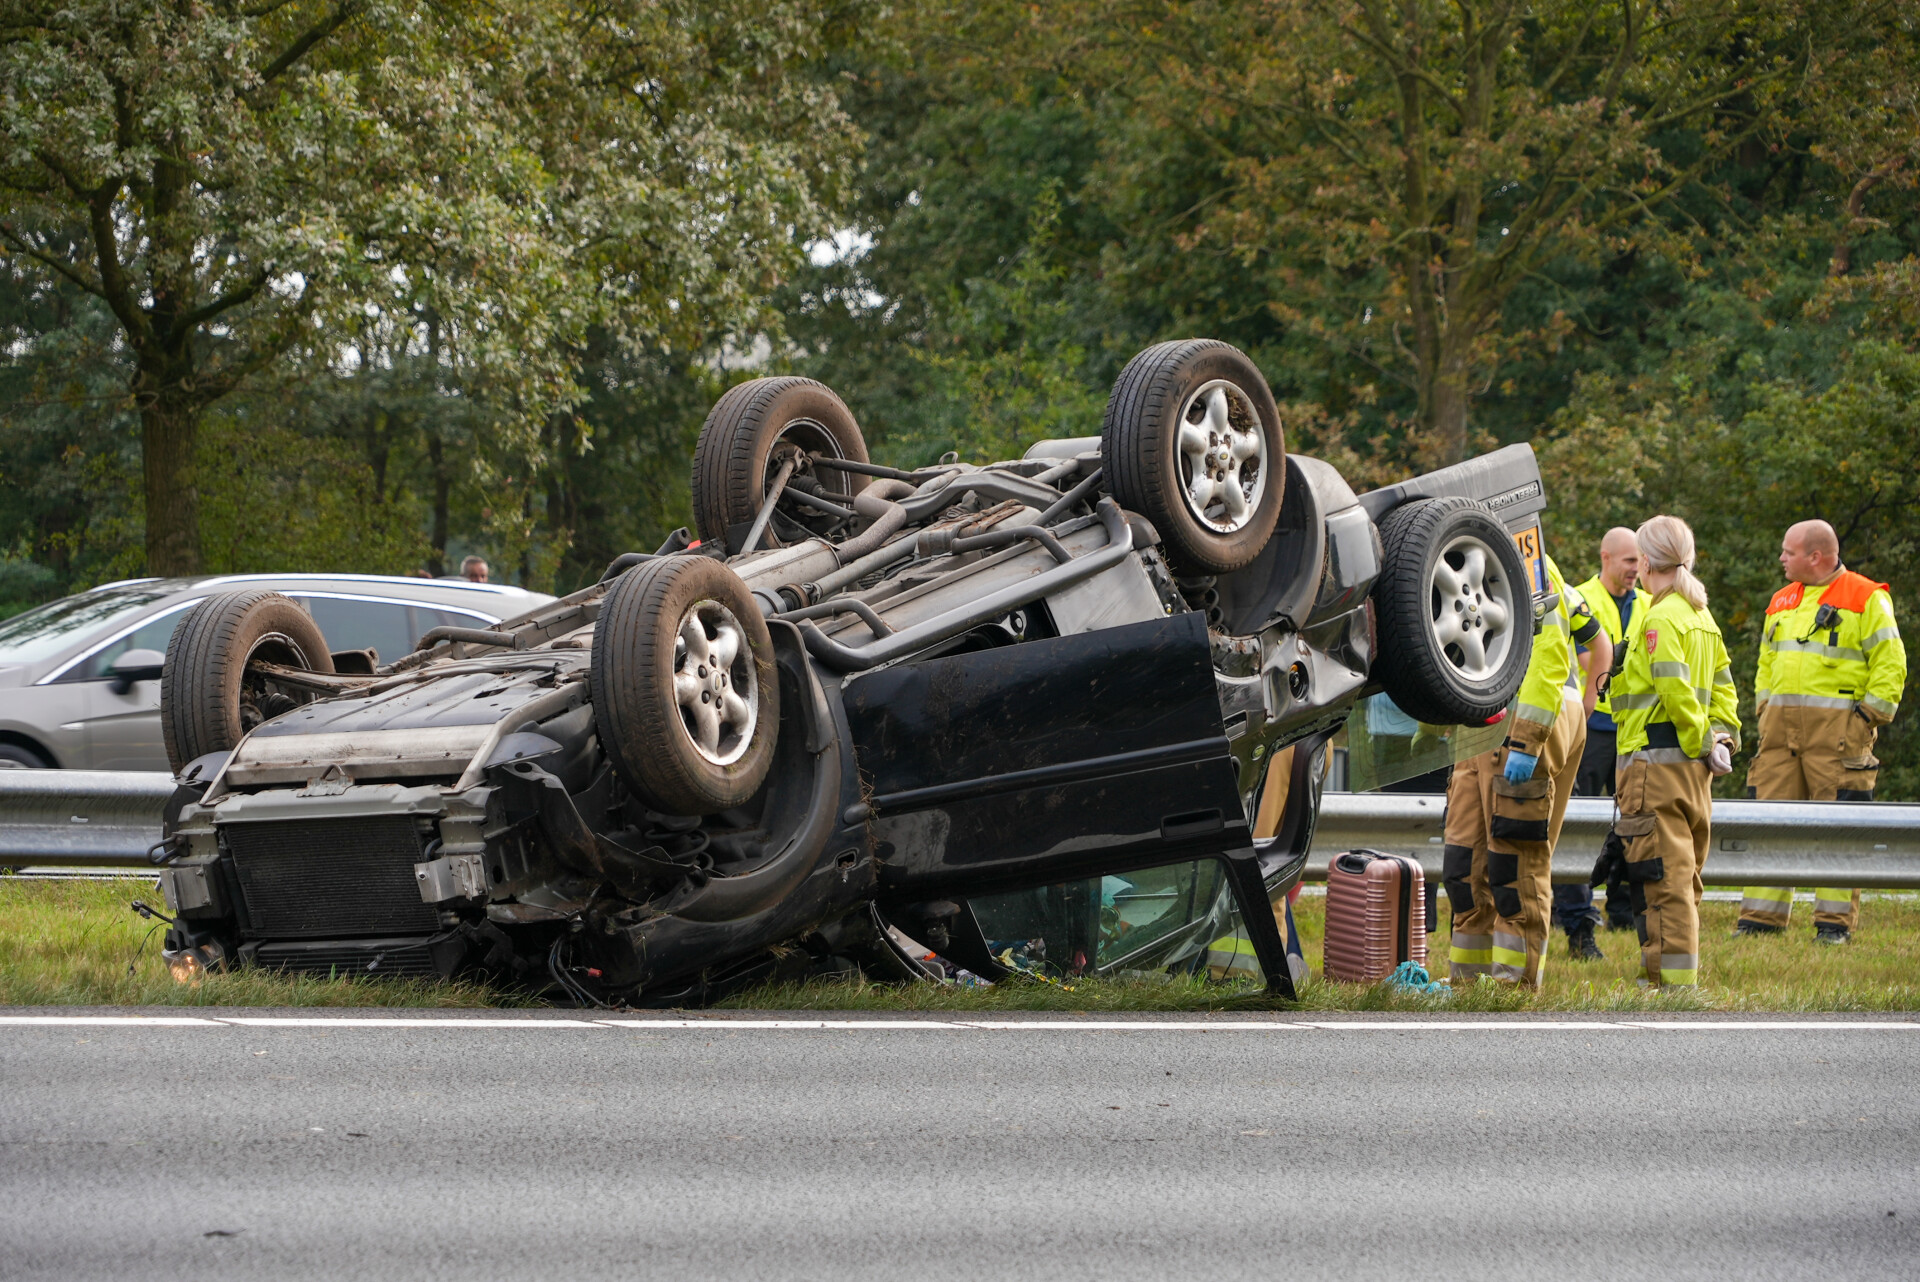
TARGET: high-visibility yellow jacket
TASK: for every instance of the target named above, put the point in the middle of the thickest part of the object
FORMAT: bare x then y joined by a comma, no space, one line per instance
1538,702
1607,611
1676,690
1860,660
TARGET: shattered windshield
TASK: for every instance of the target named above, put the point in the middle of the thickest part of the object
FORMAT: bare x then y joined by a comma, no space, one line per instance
41,633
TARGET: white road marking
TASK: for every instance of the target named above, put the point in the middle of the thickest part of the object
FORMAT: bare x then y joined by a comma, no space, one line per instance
386,1021
1459,1025
82,1021
713,1025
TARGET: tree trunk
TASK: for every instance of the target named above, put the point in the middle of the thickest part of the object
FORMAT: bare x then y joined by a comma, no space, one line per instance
442,489
169,427
1448,415
379,434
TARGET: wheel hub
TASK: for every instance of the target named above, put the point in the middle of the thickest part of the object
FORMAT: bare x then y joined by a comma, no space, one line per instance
1222,452
714,682
1472,609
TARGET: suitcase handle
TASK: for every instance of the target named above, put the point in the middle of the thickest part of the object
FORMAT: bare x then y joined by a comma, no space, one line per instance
1403,934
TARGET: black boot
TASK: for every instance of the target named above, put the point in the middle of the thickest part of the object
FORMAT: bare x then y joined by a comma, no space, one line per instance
1580,945
1828,933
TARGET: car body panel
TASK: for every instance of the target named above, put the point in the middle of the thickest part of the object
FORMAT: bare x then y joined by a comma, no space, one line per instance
63,704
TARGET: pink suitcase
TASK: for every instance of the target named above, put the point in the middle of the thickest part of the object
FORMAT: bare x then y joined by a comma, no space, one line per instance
1376,915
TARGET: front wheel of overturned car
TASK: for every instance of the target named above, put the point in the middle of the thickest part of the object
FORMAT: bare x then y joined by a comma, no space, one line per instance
685,695
1192,441
210,693
1453,612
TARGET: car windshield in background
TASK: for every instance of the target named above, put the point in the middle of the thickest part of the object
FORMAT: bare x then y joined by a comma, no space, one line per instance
42,633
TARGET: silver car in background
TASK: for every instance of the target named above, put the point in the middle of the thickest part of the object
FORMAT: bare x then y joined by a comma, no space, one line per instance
79,677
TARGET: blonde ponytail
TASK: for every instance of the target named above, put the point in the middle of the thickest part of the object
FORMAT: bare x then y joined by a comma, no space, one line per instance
1666,544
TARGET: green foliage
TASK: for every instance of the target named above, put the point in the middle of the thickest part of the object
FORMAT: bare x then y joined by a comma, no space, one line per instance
247,189
274,499
1010,368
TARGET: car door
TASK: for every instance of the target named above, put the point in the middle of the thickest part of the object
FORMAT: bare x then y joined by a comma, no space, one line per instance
1047,760
122,728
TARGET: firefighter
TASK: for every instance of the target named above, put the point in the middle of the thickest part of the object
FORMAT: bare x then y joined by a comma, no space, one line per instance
1679,725
1505,807
1615,598
1832,668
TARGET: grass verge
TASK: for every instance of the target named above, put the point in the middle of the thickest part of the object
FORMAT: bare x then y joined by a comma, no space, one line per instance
77,943
1879,971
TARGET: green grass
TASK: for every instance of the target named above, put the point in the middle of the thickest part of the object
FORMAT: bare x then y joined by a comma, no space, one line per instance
78,943
1879,971
72,943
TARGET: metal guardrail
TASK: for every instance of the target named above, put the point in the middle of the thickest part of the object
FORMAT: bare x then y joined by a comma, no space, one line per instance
1869,844
80,818
110,818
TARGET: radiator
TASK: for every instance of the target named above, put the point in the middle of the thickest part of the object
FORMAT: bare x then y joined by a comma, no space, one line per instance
330,878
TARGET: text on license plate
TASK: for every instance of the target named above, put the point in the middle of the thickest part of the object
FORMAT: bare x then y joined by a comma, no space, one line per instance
1530,552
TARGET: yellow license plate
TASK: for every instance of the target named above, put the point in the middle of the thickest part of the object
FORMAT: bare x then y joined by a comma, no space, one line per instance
1528,541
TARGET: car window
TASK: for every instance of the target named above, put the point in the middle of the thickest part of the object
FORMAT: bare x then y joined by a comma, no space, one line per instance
1109,921
150,635
389,628
44,632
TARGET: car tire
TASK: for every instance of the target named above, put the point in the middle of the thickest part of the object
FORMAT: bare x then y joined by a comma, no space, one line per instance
19,756
650,686
1444,656
207,701
1197,408
740,445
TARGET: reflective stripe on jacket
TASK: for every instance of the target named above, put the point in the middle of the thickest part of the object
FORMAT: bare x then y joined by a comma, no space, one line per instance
1861,660
1538,702
1585,628
1607,611
1677,686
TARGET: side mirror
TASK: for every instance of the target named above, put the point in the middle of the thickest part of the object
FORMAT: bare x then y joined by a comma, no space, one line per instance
136,665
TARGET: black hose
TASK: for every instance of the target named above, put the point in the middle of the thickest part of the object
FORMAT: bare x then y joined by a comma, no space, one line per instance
840,605
1071,497
624,562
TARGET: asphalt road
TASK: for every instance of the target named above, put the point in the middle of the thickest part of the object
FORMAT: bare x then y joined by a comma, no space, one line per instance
1372,1150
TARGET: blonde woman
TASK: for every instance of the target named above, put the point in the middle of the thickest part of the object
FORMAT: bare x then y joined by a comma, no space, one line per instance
1679,725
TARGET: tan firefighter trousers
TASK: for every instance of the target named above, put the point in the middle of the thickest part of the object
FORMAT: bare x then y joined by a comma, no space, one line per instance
1810,754
1498,858
1666,810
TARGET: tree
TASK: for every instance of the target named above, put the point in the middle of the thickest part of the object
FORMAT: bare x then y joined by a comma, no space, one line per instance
247,180
1400,167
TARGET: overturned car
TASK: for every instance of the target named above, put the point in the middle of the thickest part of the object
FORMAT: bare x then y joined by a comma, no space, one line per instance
863,699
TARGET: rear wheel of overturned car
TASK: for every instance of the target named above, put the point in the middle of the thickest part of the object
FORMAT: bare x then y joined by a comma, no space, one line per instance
749,434
211,690
685,696
1192,441
1453,611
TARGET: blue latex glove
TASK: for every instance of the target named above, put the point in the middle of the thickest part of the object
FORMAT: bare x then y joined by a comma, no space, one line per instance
1520,766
